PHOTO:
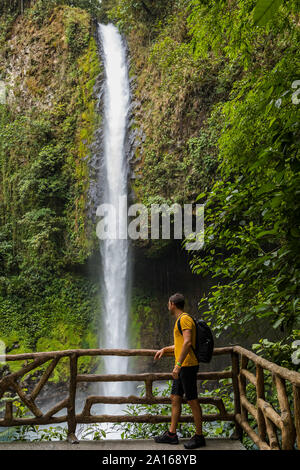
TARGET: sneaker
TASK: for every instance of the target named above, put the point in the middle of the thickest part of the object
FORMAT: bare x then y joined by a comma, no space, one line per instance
165,438
195,441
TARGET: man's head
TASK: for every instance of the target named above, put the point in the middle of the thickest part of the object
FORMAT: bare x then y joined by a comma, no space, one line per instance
176,303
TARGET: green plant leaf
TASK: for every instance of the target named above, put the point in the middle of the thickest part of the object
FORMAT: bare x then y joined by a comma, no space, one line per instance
265,10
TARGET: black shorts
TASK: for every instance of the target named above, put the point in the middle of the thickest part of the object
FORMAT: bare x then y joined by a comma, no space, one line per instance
186,384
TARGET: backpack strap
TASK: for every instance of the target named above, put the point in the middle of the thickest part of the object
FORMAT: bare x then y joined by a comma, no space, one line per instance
178,322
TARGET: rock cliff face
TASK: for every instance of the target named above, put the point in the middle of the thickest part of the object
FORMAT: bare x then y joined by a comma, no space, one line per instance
51,73
35,62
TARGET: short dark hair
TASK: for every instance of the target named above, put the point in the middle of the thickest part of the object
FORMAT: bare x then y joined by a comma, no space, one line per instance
178,300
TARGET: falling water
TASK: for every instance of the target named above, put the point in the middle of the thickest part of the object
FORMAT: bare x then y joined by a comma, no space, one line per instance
114,252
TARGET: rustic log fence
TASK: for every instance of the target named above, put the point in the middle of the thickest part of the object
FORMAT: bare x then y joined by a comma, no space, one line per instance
275,429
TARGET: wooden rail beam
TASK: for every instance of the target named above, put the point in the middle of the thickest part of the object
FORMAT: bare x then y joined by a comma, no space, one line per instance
249,376
100,352
148,418
27,401
44,378
249,407
147,377
91,400
291,375
270,413
255,438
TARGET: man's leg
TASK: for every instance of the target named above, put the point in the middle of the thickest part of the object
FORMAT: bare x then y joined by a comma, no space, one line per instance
176,399
171,436
176,412
197,414
189,382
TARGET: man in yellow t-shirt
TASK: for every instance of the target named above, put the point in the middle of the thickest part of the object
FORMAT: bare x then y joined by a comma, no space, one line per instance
184,374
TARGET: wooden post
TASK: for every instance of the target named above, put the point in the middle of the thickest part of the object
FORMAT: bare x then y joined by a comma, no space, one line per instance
148,385
27,401
272,434
260,393
71,418
44,378
238,434
242,386
8,412
288,428
296,391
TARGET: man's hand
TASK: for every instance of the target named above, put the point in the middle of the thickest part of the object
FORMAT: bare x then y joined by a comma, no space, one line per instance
175,373
159,354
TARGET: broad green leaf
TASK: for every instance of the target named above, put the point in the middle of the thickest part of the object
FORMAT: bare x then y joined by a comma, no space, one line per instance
278,322
266,188
266,232
200,196
265,10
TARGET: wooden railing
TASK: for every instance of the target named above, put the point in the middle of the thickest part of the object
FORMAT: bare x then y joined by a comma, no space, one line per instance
266,417
269,420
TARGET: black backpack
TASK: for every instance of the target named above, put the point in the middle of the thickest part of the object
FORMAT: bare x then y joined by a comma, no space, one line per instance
204,340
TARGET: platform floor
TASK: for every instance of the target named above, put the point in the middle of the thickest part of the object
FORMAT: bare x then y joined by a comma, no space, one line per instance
119,445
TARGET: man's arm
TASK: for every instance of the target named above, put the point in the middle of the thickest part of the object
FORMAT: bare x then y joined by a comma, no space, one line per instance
187,343
164,350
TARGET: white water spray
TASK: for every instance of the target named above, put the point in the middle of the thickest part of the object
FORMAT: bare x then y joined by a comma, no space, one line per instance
114,253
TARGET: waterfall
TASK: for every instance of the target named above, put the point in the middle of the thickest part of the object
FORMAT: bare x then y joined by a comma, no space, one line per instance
114,252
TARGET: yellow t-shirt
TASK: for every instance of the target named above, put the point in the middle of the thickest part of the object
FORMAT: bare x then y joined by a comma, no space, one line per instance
186,323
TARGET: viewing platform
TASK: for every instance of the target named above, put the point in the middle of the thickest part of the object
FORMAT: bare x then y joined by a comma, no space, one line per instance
274,425
123,445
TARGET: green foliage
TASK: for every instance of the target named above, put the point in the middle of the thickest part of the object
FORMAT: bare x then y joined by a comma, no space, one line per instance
218,119
265,10
33,187
177,90
125,13
282,352
12,5
228,29
252,210
41,10
77,30
251,234
61,314
201,161
44,232
6,22
144,318
44,179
